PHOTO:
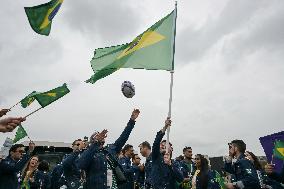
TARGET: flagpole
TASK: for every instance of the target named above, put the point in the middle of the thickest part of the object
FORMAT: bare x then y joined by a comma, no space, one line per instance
14,105
33,112
172,83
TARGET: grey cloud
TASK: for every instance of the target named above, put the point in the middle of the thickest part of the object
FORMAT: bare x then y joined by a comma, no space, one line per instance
193,44
100,20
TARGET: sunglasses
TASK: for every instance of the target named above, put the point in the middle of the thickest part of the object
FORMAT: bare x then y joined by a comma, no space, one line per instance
21,151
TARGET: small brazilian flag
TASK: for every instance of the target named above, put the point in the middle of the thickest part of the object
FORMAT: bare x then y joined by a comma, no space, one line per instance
220,180
40,17
28,99
151,50
21,133
278,150
48,97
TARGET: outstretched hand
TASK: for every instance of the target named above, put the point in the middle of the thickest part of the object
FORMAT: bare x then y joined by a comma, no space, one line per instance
100,137
135,114
4,112
10,123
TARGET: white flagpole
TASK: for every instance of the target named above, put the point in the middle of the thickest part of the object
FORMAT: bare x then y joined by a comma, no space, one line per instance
172,83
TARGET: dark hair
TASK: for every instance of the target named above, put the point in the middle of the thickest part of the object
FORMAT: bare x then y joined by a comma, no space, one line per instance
240,145
73,143
186,148
15,147
203,174
43,166
166,141
126,147
133,157
145,144
256,162
180,158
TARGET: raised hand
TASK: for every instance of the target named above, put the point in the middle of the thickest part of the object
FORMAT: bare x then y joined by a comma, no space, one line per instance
135,114
100,137
31,146
10,123
4,112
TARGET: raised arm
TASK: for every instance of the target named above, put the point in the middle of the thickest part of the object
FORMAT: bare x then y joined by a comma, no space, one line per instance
120,142
87,156
158,139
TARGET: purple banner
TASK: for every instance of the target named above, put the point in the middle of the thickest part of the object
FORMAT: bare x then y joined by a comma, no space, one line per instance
267,143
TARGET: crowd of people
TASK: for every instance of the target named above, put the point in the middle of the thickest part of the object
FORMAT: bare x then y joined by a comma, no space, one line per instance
94,165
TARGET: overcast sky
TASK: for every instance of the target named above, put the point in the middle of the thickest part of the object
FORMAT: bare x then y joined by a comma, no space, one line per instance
228,80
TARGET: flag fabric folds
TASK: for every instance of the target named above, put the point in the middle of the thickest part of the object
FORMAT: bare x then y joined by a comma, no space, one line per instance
28,99
152,50
40,17
48,97
21,133
267,143
220,180
278,150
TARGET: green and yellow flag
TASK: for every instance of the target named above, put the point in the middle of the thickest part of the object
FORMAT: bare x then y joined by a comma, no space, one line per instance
40,17
278,150
48,97
220,180
21,133
152,50
28,99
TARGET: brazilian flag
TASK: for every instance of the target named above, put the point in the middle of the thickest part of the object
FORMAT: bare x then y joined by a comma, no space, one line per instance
278,150
220,180
20,134
48,97
40,17
28,99
151,50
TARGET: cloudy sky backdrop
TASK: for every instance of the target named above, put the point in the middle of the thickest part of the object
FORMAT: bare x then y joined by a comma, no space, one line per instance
228,81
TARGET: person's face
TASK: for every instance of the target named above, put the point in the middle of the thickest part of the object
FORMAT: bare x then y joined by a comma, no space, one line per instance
197,160
163,148
18,154
34,162
248,156
78,145
143,151
188,153
129,152
136,160
232,150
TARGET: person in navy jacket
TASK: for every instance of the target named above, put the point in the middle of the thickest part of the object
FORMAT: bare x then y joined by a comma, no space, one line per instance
101,163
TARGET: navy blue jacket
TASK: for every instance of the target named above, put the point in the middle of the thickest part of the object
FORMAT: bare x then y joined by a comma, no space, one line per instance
187,172
57,179
244,173
42,180
148,170
129,171
163,175
139,176
70,167
279,177
8,171
94,161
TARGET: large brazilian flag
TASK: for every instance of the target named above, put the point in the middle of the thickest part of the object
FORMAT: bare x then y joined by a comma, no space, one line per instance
152,50
40,17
